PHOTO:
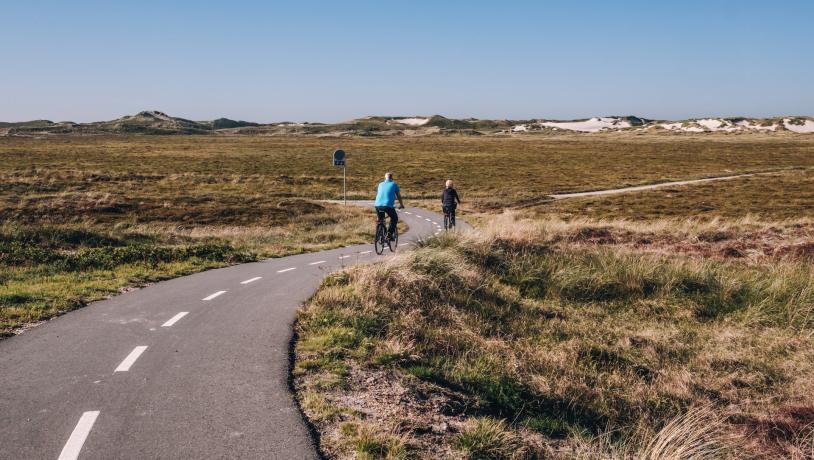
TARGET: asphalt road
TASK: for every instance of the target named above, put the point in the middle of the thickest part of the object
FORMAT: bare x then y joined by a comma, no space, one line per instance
195,367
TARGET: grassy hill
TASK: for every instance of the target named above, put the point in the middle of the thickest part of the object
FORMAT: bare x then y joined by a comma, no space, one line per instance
550,339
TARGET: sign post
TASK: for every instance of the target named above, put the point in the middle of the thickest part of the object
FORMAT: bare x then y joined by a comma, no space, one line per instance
339,160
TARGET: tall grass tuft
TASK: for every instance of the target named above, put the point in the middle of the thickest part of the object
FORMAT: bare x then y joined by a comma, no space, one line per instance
485,439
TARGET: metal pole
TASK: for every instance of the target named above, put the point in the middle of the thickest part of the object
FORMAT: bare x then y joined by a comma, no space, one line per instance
344,187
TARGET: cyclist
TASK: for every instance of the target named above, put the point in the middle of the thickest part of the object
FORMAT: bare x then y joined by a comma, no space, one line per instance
386,197
449,201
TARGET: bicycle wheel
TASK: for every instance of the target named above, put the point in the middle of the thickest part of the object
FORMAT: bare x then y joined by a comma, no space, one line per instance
446,221
380,240
452,219
394,242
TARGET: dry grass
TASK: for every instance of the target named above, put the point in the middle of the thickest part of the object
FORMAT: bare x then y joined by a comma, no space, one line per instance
578,345
247,197
485,438
585,330
491,172
750,239
789,195
698,434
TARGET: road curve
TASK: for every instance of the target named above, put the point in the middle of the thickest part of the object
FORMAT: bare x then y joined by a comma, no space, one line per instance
194,367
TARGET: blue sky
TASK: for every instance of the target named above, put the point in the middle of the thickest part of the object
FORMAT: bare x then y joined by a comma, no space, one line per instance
330,61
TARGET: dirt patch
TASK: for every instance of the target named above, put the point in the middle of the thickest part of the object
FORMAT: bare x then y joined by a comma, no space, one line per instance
787,433
426,417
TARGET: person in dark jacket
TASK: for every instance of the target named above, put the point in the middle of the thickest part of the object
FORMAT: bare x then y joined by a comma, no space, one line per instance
449,201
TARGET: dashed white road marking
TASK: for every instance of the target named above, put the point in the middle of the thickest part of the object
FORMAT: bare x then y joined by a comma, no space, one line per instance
418,216
251,280
78,436
286,269
212,296
175,319
407,212
317,262
428,220
344,257
365,252
131,359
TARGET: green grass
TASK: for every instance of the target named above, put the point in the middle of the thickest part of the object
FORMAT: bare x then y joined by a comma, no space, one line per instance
53,269
487,439
367,442
50,268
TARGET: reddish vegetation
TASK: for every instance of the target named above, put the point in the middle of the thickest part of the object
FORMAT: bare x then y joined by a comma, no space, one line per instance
778,434
791,241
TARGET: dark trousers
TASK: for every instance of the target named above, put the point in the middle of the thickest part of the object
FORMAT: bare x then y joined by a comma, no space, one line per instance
394,216
450,211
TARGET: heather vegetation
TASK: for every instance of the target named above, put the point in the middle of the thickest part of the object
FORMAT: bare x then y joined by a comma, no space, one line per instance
669,323
83,216
781,196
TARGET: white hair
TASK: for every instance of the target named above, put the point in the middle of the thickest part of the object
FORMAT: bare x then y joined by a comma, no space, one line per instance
388,175
449,183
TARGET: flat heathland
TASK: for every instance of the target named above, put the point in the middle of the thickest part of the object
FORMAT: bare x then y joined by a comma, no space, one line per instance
785,195
496,171
86,215
671,323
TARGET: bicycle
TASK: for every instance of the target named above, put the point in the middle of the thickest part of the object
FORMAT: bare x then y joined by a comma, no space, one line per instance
381,240
449,218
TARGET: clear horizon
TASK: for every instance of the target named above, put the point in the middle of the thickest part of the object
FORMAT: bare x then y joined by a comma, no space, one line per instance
326,62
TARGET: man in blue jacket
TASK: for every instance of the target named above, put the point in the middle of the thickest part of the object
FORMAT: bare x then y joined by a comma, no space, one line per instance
385,203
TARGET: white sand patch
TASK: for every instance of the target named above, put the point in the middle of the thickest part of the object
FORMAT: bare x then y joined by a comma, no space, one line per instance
520,128
746,124
806,127
588,126
716,124
711,123
412,121
679,126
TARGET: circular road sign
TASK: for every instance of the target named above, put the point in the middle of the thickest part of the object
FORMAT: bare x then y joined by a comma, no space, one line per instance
339,158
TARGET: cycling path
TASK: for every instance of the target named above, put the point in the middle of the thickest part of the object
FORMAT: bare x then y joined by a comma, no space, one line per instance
194,367
638,188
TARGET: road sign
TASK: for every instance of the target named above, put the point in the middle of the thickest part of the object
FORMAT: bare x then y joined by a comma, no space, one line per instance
339,158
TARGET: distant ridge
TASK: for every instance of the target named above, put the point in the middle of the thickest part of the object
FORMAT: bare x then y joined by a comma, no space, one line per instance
154,122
